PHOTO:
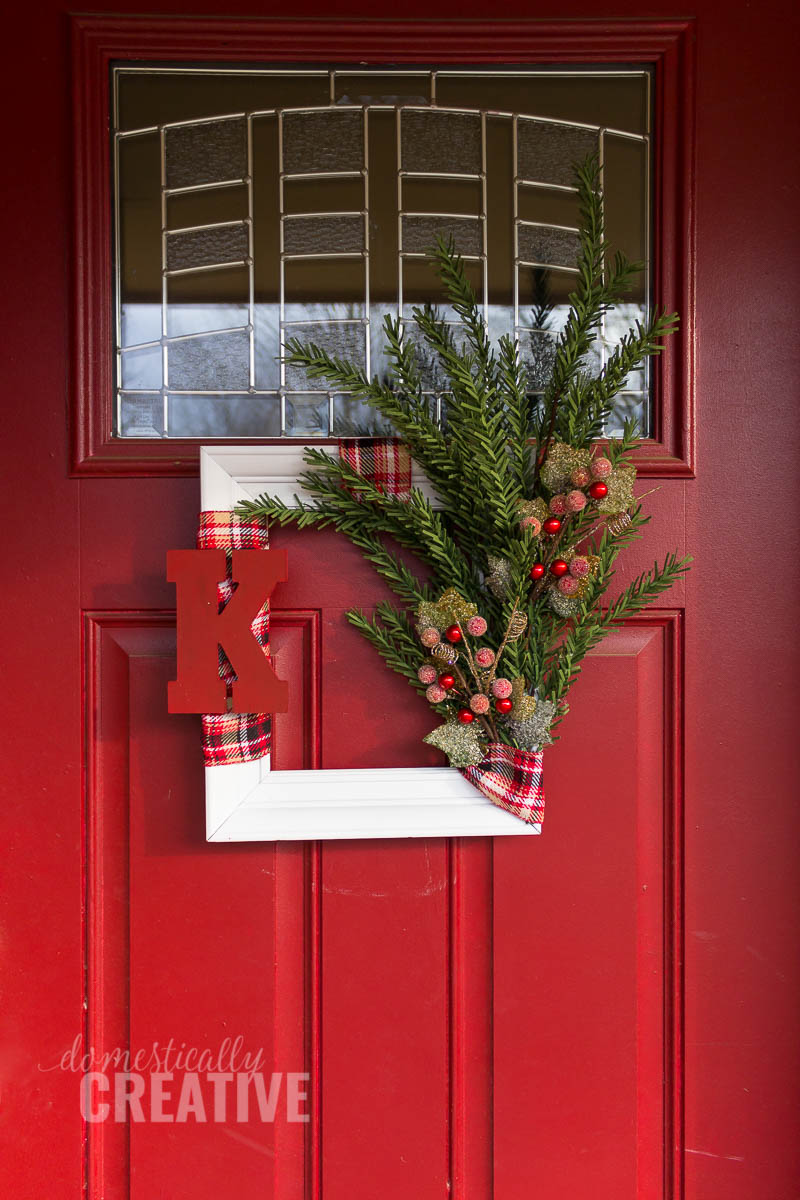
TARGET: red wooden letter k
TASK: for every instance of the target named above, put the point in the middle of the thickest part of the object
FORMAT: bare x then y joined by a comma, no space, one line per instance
201,628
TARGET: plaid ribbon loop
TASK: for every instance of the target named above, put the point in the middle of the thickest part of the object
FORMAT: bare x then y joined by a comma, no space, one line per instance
511,779
235,737
384,462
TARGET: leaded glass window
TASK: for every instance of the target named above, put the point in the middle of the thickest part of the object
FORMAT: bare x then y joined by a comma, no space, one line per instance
254,204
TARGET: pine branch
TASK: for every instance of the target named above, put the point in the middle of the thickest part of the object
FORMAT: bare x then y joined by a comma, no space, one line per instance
565,666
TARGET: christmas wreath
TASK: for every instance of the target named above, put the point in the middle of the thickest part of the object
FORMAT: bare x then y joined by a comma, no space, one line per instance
533,512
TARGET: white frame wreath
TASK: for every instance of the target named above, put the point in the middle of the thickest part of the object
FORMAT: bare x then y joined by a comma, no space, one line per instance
249,802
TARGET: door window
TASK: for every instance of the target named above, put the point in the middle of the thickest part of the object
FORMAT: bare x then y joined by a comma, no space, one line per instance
252,205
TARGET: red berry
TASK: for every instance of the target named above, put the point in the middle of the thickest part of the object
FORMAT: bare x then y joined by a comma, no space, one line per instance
504,706
551,525
598,490
465,716
537,570
447,681
453,633
558,567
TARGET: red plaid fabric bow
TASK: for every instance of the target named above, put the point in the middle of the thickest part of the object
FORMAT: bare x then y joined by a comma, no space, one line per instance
511,779
385,462
235,737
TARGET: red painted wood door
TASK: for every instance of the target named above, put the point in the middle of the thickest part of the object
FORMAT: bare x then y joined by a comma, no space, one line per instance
608,1010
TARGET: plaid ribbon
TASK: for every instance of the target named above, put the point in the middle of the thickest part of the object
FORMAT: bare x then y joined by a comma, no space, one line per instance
235,737
511,779
385,462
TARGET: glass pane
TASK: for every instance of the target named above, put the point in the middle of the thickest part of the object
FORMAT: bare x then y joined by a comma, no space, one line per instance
548,153
141,416
142,368
203,301
340,340
548,245
205,153
210,206
217,360
240,204
441,142
420,233
323,235
353,418
207,247
224,416
323,141
307,415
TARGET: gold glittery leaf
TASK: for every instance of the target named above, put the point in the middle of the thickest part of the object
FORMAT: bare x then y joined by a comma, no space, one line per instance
461,743
565,606
533,508
561,461
499,577
524,705
534,732
620,490
454,604
431,615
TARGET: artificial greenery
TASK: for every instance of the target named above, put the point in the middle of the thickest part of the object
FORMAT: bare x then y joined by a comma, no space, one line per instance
494,460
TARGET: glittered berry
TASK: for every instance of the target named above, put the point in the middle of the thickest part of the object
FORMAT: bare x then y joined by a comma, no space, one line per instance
598,490
479,703
537,571
602,468
501,688
447,681
427,674
453,633
435,694
504,705
477,626
532,523
484,657
580,477
576,501
559,567
558,506
579,566
568,586
552,525
429,636
465,716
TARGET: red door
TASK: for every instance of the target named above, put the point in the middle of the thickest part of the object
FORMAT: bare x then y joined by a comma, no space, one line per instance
607,1010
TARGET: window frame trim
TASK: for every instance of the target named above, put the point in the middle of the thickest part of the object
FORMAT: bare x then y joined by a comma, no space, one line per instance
100,41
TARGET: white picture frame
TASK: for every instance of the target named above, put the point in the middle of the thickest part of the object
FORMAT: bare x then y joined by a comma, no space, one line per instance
249,802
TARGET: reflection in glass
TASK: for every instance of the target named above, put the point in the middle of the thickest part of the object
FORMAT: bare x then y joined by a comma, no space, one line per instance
141,368
353,418
307,415
224,416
